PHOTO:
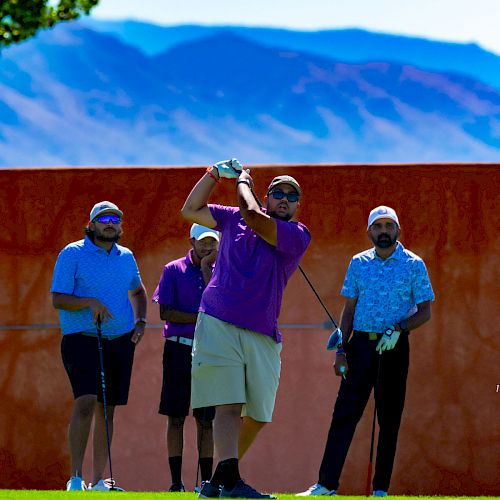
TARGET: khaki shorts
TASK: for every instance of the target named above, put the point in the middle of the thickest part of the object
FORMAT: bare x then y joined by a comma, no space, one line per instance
234,365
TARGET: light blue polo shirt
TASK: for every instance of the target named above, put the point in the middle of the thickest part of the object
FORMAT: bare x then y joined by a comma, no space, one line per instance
387,290
86,270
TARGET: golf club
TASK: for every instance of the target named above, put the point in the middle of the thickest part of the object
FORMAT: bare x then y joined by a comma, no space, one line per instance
370,461
304,274
103,385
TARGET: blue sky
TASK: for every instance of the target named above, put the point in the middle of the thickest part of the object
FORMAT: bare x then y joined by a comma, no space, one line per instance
475,21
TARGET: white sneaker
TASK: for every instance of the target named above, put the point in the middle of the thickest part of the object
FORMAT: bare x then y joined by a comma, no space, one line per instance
317,490
104,485
380,493
75,483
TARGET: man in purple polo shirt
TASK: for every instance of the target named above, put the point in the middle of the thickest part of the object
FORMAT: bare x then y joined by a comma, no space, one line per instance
237,343
179,294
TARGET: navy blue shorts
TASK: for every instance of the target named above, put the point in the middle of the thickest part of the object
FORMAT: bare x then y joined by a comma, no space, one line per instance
176,388
80,355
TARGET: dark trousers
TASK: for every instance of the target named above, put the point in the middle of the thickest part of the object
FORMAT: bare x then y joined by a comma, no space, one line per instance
351,401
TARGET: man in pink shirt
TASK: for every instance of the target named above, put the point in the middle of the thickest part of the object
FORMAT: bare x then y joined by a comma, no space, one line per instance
237,343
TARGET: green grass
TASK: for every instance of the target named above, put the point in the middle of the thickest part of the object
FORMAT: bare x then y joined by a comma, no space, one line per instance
49,495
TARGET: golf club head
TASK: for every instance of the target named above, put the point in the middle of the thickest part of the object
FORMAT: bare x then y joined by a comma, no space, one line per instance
335,340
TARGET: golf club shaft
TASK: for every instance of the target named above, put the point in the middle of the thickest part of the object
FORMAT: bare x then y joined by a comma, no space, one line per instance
372,443
318,297
303,273
370,461
103,385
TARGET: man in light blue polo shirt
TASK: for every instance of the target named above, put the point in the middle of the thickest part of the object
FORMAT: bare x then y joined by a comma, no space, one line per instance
387,293
97,278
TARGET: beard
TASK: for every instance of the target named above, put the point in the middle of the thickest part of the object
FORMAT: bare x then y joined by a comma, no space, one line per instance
107,236
274,215
384,241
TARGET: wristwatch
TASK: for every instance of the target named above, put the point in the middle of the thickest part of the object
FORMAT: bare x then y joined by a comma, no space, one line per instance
389,331
243,181
140,320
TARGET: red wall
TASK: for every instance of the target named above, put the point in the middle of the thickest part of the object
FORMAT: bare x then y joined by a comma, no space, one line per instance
450,436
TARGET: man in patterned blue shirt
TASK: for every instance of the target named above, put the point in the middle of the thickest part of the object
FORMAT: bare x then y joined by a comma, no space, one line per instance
387,293
97,278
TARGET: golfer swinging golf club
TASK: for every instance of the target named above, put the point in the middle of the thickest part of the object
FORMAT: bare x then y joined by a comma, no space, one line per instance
387,293
237,343
96,284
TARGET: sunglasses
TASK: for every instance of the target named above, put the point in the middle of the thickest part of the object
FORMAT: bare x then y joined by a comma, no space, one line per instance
106,219
279,195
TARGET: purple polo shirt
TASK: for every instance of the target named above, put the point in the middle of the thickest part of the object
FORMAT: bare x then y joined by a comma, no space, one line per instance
250,275
181,287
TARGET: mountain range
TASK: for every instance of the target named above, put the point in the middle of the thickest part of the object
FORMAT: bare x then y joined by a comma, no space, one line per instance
77,95
347,45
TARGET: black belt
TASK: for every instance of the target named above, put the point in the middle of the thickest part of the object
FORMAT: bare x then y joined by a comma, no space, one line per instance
370,335
181,340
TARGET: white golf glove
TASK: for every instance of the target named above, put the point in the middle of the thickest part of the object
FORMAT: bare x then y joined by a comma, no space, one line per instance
230,169
388,340
335,340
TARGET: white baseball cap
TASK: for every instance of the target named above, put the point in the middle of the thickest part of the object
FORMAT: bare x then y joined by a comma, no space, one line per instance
199,232
104,206
382,212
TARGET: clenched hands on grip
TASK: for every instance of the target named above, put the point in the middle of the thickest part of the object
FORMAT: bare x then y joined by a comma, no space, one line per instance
230,169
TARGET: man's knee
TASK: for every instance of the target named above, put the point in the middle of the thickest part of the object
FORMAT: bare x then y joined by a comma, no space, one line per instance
204,425
176,422
206,414
231,410
84,406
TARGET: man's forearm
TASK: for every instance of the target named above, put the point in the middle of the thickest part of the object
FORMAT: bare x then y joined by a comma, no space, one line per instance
422,315
69,302
347,318
195,207
246,199
170,314
139,302
251,211
346,326
206,272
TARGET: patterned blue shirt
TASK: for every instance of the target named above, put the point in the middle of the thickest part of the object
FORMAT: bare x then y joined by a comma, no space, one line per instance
86,270
387,291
